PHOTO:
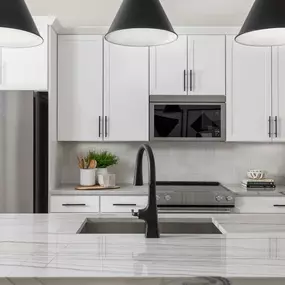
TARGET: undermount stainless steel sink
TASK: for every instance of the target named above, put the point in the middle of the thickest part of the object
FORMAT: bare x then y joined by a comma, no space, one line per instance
127,226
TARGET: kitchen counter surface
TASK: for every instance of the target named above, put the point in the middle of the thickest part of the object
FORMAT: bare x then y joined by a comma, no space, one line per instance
125,189
243,192
131,190
42,246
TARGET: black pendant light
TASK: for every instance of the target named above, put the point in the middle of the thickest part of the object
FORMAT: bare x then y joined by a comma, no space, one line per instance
265,24
141,23
17,27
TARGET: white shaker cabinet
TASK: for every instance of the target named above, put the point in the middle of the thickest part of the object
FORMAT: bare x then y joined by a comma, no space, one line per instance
248,92
206,65
193,65
74,204
260,205
122,204
26,68
80,87
168,68
126,93
278,94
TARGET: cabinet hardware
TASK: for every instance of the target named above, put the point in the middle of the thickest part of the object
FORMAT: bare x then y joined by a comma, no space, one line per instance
124,204
191,80
269,126
106,126
73,205
276,126
279,206
184,80
100,127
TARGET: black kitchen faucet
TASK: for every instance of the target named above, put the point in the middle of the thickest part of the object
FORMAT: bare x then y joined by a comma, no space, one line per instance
149,213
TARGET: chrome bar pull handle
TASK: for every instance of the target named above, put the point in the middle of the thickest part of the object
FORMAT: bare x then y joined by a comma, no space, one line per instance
269,127
184,80
100,132
125,205
106,126
74,205
191,80
276,126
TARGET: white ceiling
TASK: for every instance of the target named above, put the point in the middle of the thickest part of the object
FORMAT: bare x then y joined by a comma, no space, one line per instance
73,13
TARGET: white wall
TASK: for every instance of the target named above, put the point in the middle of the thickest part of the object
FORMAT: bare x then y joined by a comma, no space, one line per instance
224,162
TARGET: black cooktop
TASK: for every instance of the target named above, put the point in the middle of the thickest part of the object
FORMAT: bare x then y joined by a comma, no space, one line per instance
187,183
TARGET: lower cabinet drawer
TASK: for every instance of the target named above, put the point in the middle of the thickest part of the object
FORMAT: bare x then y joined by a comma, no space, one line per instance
74,204
260,204
122,204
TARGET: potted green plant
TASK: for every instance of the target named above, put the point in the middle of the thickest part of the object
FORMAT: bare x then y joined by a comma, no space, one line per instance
104,159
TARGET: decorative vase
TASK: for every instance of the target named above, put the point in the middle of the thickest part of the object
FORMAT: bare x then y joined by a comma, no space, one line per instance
87,177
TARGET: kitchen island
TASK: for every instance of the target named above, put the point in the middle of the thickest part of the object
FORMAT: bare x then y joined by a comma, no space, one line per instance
45,249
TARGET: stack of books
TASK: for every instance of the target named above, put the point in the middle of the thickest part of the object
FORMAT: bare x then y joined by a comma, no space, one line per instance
258,183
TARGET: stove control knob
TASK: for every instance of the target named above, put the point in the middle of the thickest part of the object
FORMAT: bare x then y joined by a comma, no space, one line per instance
229,198
167,197
219,198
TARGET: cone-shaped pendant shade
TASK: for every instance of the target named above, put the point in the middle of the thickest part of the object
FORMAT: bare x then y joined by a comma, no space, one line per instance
17,28
141,23
265,24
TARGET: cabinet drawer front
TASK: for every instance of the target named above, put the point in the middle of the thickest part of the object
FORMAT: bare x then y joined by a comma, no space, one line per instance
122,204
260,205
74,204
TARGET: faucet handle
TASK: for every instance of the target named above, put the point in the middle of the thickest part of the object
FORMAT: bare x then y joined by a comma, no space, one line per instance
135,214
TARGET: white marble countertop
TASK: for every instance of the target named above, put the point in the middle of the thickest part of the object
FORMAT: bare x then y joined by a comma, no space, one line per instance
42,246
131,190
125,189
243,192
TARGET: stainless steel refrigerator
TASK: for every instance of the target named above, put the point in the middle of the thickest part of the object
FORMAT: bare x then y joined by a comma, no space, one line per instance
23,152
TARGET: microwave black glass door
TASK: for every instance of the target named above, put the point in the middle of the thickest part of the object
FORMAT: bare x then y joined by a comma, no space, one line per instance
203,121
168,121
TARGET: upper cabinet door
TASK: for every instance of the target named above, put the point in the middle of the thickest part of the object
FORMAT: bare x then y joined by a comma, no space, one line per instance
248,92
207,65
168,68
278,94
126,93
26,68
80,87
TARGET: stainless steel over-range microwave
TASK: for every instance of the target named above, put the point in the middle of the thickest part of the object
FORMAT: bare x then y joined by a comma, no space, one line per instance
187,118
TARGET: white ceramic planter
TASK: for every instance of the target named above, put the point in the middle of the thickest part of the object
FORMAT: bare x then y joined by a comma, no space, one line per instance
101,171
87,177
